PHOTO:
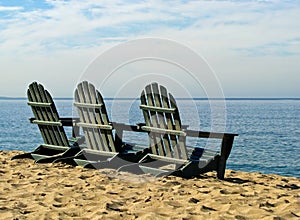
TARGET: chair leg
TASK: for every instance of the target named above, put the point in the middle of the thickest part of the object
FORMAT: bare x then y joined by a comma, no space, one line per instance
221,171
22,156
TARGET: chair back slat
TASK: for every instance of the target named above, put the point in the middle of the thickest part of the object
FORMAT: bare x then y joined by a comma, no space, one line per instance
93,118
158,143
147,116
82,112
163,122
181,146
96,117
82,96
46,115
169,120
106,133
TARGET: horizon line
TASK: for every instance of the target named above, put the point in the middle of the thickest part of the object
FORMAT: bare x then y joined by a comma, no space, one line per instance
181,98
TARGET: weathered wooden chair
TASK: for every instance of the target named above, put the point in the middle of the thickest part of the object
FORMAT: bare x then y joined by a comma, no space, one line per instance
51,126
103,150
169,153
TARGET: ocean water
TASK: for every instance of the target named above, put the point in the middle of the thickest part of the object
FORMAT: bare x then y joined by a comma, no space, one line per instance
268,141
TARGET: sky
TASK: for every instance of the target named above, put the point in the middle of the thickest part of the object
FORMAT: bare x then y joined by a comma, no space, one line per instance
252,46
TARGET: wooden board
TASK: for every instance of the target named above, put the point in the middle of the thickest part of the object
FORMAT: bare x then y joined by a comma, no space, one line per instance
93,117
46,115
162,122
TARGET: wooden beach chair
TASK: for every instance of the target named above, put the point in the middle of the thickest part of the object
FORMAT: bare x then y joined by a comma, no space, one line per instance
51,126
167,138
103,149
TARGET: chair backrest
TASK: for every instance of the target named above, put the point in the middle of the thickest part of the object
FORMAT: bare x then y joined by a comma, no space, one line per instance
93,118
163,122
46,116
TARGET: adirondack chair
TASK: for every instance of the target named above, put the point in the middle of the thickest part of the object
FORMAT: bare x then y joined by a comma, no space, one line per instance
102,150
51,126
167,138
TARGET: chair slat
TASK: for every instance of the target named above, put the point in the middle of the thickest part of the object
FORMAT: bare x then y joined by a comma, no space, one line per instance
96,126
40,122
90,97
83,115
39,104
161,119
37,114
163,131
163,122
158,109
49,116
84,97
182,139
100,134
170,122
154,120
46,116
94,119
87,105
147,116
52,112
39,92
104,118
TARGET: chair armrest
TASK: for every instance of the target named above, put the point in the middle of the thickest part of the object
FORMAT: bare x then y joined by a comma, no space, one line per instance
65,121
140,125
204,134
226,146
184,127
68,121
126,127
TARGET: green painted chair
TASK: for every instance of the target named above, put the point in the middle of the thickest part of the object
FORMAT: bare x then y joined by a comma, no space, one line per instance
169,154
103,149
56,144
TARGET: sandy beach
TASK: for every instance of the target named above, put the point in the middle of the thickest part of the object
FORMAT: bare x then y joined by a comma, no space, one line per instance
58,191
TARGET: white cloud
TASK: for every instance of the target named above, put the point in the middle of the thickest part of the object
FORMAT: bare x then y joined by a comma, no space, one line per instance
230,34
7,8
82,22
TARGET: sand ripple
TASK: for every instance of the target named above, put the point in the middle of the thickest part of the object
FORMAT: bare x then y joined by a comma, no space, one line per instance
57,191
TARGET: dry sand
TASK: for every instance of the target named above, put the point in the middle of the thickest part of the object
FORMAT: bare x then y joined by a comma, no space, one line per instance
57,191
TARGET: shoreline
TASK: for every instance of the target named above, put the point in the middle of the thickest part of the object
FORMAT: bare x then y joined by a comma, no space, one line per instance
182,98
58,191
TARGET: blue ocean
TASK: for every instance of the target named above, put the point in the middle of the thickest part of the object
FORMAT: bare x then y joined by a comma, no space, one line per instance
268,141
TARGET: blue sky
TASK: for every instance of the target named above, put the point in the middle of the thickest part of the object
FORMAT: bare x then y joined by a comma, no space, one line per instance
253,46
